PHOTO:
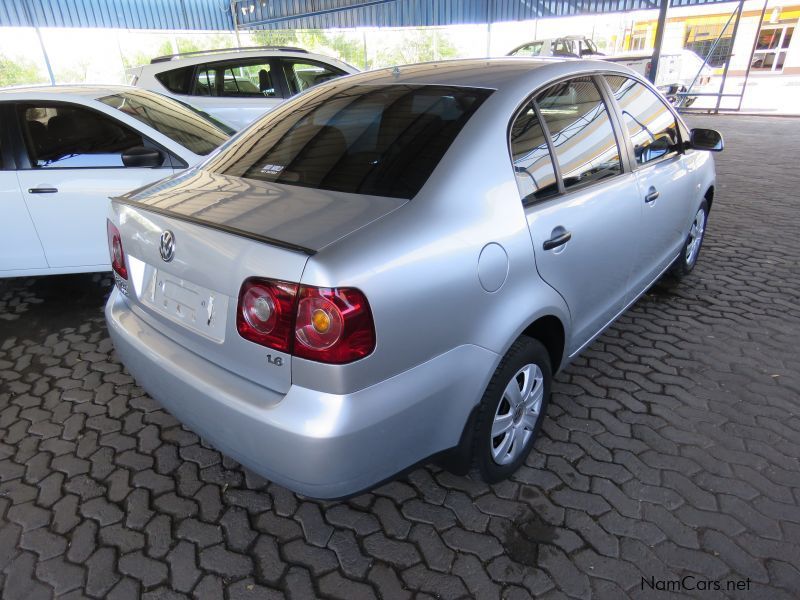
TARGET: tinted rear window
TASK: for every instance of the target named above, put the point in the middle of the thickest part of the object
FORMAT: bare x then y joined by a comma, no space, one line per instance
378,140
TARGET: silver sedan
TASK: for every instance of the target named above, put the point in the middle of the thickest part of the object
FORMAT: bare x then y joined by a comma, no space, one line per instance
392,266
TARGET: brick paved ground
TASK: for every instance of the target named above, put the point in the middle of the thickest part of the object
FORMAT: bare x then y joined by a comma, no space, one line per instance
670,449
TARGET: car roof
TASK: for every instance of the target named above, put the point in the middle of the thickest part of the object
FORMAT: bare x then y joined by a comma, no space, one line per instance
87,92
494,73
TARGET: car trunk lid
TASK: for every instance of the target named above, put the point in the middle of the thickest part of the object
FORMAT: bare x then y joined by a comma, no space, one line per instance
224,230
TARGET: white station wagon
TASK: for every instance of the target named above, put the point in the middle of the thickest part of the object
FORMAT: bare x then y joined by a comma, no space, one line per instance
65,149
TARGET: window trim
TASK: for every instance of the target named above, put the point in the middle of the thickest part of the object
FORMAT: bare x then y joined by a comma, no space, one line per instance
546,131
611,109
8,160
680,125
24,162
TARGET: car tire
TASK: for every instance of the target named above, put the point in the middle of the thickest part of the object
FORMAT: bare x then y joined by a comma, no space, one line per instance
508,422
690,251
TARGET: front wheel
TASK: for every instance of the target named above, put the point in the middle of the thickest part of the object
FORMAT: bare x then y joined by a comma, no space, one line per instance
511,411
687,259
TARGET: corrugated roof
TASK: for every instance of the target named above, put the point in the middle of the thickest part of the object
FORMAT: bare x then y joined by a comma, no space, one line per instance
299,14
321,14
123,14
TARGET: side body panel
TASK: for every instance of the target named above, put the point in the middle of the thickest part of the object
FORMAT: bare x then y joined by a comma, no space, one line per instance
21,248
592,270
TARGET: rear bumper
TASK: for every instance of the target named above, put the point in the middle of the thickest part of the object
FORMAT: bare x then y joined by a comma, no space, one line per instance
318,444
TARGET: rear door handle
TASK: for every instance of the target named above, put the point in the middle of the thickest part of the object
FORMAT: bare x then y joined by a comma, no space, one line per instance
559,240
42,190
652,194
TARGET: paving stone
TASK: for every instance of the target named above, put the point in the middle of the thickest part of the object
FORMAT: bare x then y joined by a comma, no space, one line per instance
150,572
182,567
669,448
352,562
224,562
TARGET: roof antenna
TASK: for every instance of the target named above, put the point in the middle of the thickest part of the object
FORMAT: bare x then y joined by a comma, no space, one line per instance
396,71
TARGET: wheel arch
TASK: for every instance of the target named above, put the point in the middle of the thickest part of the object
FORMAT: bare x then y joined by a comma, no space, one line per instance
549,330
709,197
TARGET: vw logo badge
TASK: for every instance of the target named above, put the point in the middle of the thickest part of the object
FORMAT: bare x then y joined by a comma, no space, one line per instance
167,246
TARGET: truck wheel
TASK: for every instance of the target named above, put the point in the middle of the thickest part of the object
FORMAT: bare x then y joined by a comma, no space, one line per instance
511,411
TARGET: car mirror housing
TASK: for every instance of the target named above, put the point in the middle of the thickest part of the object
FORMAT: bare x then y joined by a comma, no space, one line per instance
706,139
139,156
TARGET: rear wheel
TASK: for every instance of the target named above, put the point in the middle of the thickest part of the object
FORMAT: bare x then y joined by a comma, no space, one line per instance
687,259
511,411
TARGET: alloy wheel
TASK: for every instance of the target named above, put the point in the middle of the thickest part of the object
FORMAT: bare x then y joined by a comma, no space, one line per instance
516,415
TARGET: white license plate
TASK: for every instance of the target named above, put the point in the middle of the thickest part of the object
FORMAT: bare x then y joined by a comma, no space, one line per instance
191,305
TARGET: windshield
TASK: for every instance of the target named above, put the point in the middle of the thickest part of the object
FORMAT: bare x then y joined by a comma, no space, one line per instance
382,140
180,123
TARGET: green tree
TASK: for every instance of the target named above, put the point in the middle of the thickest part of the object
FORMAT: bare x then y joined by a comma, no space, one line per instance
414,46
344,46
19,71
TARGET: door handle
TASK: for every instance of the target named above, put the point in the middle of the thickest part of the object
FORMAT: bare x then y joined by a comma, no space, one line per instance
559,240
42,190
652,194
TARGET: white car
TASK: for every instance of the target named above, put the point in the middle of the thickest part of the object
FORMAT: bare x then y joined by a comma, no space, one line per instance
237,86
65,149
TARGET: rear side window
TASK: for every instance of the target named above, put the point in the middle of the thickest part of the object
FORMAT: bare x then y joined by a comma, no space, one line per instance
533,165
249,80
302,75
651,126
367,139
580,131
176,81
68,136
205,83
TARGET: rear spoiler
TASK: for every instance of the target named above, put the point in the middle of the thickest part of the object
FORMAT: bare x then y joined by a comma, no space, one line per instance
216,226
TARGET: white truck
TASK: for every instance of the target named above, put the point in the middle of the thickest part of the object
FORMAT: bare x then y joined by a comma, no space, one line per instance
677,70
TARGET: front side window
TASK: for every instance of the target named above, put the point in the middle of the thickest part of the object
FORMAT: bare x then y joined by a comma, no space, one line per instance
69,136
580,131
533,166
651,126
173,119
382,140
302,75
564,48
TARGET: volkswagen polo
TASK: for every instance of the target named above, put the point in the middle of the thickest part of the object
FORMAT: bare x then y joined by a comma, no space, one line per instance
391,267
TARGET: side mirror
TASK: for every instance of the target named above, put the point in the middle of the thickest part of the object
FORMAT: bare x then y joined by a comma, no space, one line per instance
706,139
139,156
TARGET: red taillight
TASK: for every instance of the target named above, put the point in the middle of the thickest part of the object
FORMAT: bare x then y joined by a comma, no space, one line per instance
115,250
334,325
266,313
330,325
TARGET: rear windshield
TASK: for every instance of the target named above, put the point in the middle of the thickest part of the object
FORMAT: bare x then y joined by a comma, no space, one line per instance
180,123
378,140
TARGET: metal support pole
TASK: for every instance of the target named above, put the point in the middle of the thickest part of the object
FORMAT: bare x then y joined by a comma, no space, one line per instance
662,22
752,52
41,43
730,55
235,18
